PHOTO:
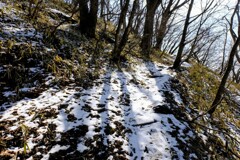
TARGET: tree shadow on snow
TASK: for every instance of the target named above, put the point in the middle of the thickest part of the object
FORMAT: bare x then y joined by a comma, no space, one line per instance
106,121
181,138
129,118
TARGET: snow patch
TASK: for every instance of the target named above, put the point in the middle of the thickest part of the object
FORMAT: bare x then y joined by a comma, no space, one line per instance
187,65
58,12
2,5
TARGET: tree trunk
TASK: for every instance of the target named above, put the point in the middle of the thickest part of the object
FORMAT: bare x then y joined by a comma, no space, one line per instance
128,28
102,3
84,13
162,30
177,62
166,15
118,48
88,17
117,34
194,44
146,43
138,20
163,25
224,51
93,17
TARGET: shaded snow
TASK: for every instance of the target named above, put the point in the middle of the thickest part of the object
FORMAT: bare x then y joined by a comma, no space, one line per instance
15,28
21,31
8,93
2,5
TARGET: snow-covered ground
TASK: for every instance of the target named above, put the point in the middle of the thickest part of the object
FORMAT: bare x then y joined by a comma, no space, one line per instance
115,118
118,112
135,113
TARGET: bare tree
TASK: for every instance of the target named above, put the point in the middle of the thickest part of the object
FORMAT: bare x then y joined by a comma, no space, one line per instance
172,36
177,62
224,52
118,30
167,12
102,7
232,54
138,19
120,42
203,27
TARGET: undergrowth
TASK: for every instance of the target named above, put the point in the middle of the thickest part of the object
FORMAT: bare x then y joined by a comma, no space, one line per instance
202,84
161,57
63,51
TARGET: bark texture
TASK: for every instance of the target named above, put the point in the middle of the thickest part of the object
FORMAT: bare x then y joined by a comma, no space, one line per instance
88,17
146,43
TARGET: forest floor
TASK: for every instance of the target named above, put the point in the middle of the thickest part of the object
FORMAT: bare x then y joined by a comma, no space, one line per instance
125,114
140,111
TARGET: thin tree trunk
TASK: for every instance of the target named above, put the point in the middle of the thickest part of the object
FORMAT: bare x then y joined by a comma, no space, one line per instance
102,3
177,62
193,45
123,41
138,20
166,15
233,52
162,30
117,34
224,53
163,25
221,88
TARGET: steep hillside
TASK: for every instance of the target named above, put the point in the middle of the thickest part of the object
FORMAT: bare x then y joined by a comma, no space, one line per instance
60,98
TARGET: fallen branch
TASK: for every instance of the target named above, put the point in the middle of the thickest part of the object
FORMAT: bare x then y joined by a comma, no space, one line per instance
146,123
